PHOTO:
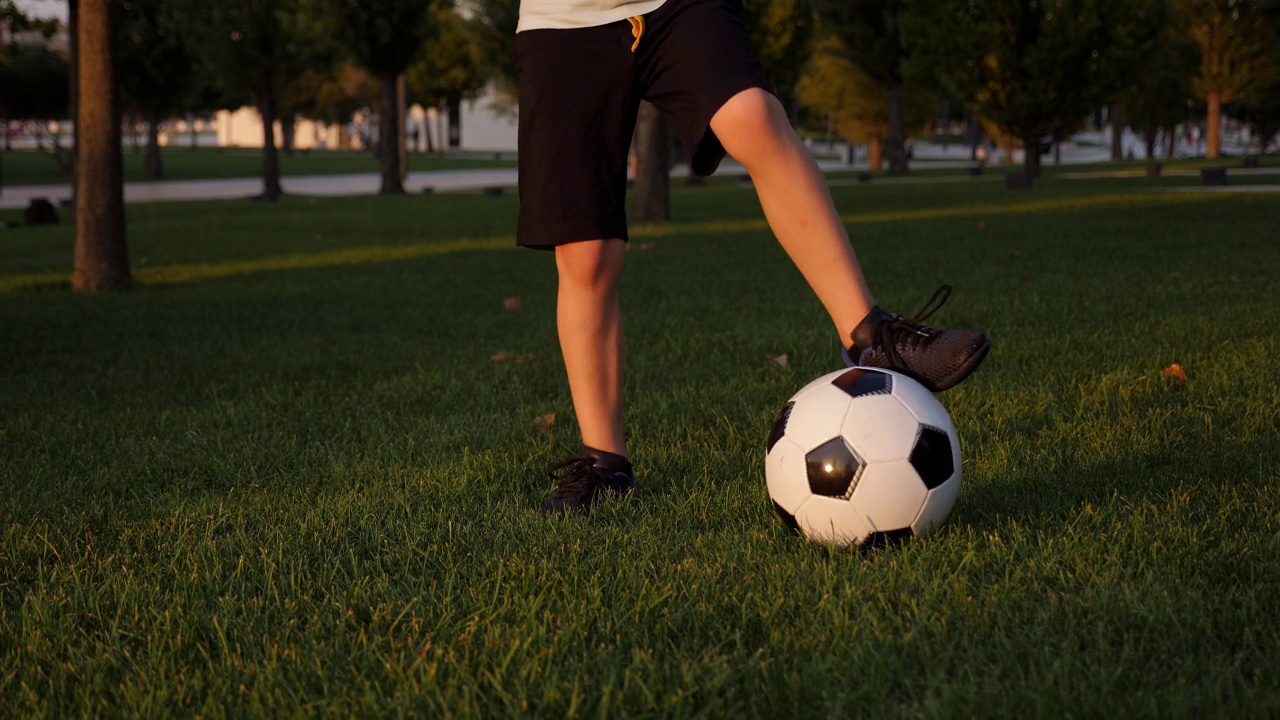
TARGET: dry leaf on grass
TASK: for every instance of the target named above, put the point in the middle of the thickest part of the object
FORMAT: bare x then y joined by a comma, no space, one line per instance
544,423
1174,372
780,359
511,303
639,247
504,356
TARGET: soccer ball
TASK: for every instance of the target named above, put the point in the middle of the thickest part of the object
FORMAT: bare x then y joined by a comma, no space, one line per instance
863,456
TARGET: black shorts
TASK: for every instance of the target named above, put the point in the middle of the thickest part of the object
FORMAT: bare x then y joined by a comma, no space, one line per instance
579,93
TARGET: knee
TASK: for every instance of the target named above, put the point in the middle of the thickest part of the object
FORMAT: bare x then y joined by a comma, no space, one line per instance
752,125
593,265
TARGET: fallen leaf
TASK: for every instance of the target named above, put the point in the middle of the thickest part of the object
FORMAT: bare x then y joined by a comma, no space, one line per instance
511,303
544,423
1174,372
504,356
639,247
1173,276
981,224
780,359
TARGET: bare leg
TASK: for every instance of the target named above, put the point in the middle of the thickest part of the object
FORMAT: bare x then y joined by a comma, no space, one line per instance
754,129
589,321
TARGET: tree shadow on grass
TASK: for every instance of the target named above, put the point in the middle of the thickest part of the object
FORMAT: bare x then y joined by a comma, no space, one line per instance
1054,489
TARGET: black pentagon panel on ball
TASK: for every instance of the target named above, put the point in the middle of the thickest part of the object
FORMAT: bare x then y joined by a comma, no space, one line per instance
931,457
787,518
779,427
833,469
860,382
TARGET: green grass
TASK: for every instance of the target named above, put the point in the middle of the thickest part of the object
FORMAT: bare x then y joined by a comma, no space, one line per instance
283,477
28,167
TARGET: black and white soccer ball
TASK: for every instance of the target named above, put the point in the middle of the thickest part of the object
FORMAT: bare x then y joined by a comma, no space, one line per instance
863,456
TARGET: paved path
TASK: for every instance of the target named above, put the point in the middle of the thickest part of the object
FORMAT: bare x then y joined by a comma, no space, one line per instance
19,196
928,156
315,185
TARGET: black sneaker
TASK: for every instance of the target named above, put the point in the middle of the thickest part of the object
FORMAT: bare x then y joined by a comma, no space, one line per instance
580,480
936,358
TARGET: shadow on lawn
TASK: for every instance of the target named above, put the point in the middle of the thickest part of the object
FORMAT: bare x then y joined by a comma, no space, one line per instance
186,273
1056,492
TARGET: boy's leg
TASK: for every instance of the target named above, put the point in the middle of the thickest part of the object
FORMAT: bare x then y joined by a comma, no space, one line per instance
575,126
589,322
754,129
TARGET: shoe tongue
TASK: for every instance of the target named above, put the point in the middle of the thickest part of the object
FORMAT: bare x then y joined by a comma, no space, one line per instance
607,460
863,335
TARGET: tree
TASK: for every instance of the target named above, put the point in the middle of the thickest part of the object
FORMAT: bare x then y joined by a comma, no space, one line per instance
156,67
261,46
1157,99
871,37
34,85
1236,41
1261,110
1137,28
451,69
855,103
384,37
1033,68
34,82
101,253
495,31
782,33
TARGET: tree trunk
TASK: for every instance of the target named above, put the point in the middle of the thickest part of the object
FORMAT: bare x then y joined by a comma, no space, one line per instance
875,154
271,189
154,165
455,124
1213,126
288,133
402,140
442,145
389,129
101,252
896,149
1117,132
975,135
1031,155
73,72
653,169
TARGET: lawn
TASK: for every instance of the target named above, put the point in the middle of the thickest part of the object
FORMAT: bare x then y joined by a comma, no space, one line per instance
28,167
286,476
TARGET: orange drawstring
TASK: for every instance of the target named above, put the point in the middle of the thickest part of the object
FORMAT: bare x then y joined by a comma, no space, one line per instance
637,29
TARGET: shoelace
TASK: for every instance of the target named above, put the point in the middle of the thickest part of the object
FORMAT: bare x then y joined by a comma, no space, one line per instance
574,475
909,331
